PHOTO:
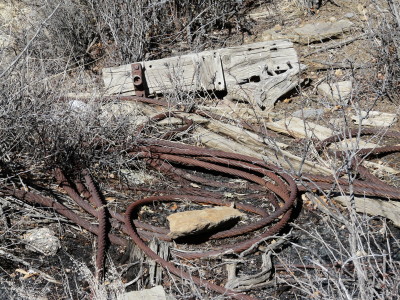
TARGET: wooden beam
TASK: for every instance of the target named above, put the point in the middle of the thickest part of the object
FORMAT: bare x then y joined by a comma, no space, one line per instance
216,70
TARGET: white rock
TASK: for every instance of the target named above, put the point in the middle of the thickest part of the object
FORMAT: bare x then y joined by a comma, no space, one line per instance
78,106
42,240
349,15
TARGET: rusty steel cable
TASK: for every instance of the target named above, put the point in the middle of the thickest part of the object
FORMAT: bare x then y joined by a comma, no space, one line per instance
161,116
218,159
376,188
168,157
221,162
171,267
370,185
98,210
280,216
44,201
167,152
96,200
279,191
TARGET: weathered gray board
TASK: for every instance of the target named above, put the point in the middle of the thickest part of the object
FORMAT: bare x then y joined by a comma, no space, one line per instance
187,72
223,69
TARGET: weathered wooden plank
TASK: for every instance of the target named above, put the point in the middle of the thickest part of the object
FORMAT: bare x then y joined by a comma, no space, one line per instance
177,121
246,137
242,111
279,157
299,128
352,145
210,70
270,88
201,71
118,80
374,207
244,62
273,66
247,143
380,170
375,118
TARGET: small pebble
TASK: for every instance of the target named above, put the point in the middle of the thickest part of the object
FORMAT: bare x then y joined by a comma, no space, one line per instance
349,15
339,72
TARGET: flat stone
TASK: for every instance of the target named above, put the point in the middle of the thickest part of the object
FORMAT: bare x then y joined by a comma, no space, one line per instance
316,32
199,221
42,240
155,293
337,91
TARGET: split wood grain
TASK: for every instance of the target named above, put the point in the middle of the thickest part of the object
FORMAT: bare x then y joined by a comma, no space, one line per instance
217,70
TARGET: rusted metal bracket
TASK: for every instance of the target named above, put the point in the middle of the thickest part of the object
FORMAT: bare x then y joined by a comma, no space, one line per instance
138,80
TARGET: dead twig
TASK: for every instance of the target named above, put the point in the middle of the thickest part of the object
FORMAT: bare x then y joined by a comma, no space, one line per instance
32,270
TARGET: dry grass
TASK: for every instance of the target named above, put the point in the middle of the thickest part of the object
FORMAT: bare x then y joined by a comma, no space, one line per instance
59,50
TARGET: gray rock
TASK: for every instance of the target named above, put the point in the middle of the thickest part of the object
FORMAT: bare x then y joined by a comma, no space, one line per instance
42,240
315,32
198,221
155,293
